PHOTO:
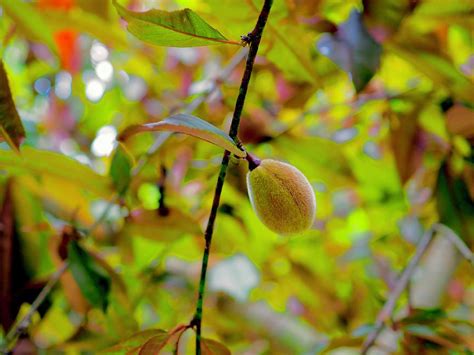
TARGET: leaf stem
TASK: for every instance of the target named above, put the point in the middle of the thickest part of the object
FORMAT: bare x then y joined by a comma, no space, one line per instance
254,37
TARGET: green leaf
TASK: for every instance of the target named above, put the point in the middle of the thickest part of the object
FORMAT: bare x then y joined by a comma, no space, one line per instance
46,163
421,316
133,344
278,40
191,125
29,21
11,128
353,49
182,28
212,347
120,169
92,279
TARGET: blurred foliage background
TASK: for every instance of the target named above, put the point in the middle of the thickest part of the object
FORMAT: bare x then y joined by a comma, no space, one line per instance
371,100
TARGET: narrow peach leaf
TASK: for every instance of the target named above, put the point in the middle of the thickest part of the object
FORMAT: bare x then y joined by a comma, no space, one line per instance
154,345
191,125
11,128
182,28
135,342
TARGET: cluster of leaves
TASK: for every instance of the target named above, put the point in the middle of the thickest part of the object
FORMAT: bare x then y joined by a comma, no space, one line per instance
372,100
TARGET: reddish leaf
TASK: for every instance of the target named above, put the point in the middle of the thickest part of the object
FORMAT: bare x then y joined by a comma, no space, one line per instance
154,345
212,347
133,344
404,136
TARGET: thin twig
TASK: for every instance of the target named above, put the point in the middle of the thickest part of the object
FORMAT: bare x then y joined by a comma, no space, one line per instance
254,37
23,324
456,240
400,286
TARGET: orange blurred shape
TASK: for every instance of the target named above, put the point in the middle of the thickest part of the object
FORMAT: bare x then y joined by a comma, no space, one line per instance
56,4
66,40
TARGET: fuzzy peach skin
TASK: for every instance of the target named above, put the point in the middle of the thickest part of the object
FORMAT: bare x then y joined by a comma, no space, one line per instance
282,197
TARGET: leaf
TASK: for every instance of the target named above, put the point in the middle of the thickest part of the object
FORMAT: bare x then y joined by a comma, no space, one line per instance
32,23
423,316
191,125
120,169
353,49
182,28
429,60
455,208
212,347
132,345
459,120
383,17
154,345
297,63
91,278
11,128
405,141
46,163
57,245
150,225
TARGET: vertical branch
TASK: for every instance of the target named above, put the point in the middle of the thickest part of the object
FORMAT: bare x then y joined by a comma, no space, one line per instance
253,38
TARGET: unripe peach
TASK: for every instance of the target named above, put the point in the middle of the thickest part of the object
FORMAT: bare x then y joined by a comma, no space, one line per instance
281,196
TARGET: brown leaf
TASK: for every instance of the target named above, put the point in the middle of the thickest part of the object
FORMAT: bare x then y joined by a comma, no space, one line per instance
70,287
25,347
11,128
133,344
460,120
154,345
404,135
212,347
